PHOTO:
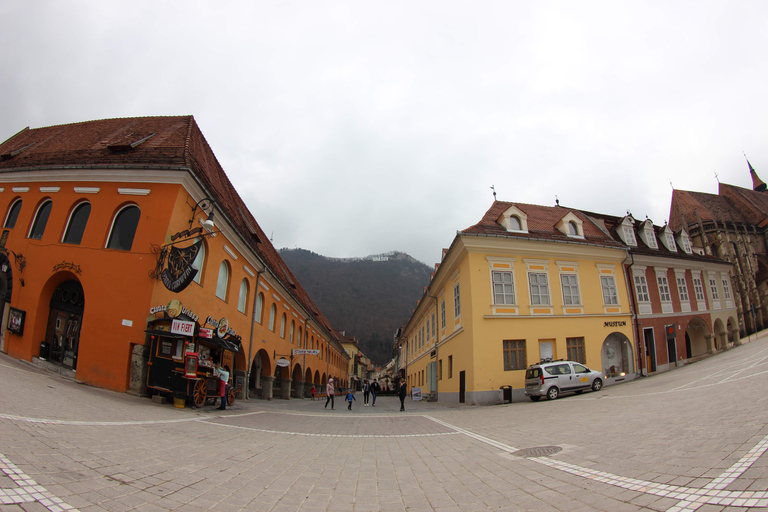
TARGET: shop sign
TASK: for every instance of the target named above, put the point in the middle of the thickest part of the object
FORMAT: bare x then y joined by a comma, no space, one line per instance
174,309
300,351
179,272
221,326
283,362
622,323
204,332
183,327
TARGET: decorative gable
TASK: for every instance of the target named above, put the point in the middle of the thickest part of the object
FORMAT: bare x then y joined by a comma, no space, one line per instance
514,219
647,234
668,239
571,225
626,231
685,241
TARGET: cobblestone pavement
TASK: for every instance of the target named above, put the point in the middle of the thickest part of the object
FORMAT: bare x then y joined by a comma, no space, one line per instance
690,439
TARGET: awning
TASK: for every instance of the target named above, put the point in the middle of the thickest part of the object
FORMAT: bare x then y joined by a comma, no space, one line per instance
232,345
165,334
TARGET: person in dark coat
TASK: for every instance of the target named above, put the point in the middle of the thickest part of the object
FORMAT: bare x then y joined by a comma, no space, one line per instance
402,392
375,390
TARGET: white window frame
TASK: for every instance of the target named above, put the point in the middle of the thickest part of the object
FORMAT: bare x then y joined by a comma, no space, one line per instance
571,292
222,283
610,291
682,288
242,298
507,288
641,289
539,285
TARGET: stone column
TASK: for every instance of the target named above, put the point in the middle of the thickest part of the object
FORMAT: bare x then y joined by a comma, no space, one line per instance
285,389
710,343
298,389
266,387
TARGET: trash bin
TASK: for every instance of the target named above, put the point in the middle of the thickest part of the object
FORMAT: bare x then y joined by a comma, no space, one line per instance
506,394
44,348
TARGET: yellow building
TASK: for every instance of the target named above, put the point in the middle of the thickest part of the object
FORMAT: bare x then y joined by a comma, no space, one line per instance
525,284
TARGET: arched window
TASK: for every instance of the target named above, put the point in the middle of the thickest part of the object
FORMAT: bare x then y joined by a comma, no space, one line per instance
514,223
13,214
259,307
572,229
223,281
199,263
272,315
124,228
282,326
290,333
41,219
300,338
76,225
243,298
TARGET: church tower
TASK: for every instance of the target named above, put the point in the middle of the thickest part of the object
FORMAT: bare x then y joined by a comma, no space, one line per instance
757,184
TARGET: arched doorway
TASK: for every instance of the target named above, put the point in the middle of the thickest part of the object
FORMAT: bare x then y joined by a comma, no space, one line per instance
617,356
64,323
261,372
697,338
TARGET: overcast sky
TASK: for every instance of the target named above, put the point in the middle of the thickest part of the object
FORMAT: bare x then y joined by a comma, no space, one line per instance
355,128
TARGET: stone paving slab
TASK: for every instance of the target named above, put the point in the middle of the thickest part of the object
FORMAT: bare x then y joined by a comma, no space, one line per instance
691,439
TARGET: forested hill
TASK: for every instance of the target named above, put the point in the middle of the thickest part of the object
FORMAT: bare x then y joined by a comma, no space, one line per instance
369,298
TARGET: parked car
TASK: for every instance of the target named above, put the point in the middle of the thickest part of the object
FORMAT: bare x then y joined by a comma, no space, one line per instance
551,378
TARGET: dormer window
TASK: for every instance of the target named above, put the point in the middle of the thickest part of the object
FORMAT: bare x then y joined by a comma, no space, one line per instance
671,242
685,242
629,236
514,220
648,235
626,231
571,225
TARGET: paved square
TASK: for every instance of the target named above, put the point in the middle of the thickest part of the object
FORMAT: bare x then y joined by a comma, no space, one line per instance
691,439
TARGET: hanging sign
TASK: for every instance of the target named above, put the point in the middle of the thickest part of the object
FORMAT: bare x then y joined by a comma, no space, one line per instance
204,332
283,362
179,272
300,351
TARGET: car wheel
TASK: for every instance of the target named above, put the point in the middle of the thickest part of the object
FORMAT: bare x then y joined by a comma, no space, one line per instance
553,393
597,385
535,398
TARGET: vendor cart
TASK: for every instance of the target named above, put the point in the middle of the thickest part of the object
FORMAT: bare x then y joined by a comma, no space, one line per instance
183,366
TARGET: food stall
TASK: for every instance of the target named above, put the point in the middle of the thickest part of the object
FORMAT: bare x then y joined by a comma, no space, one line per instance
183,357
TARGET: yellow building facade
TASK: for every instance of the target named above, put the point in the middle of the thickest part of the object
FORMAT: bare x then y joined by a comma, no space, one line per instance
525,284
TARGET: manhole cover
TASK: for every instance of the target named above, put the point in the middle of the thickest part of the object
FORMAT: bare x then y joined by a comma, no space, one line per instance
538,451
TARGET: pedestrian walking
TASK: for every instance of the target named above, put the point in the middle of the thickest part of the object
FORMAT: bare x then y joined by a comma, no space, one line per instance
312,392
223,374
329,393
366,392
402,392
350,397
375,390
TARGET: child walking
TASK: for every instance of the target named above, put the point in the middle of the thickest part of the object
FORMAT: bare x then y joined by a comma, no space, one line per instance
350,397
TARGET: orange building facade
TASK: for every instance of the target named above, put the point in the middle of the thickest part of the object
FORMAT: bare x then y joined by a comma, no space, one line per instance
106,243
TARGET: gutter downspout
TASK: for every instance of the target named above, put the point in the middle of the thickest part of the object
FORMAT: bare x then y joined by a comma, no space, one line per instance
304,363
635,323
250,346
437,344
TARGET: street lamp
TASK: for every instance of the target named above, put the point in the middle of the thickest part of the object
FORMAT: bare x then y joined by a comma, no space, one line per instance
204,204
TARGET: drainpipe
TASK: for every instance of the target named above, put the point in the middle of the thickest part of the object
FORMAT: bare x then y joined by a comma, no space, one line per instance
633,302
250,346
437,343
305,348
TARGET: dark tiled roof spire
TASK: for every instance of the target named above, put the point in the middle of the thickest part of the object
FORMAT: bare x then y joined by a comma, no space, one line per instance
757,184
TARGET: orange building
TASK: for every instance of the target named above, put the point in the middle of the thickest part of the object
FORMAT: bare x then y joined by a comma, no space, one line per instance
114,228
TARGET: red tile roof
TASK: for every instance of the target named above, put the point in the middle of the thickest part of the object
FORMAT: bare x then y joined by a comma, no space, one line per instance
176,143
542,221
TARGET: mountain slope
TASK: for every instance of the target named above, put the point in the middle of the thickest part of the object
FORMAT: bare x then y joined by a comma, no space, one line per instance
369,298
